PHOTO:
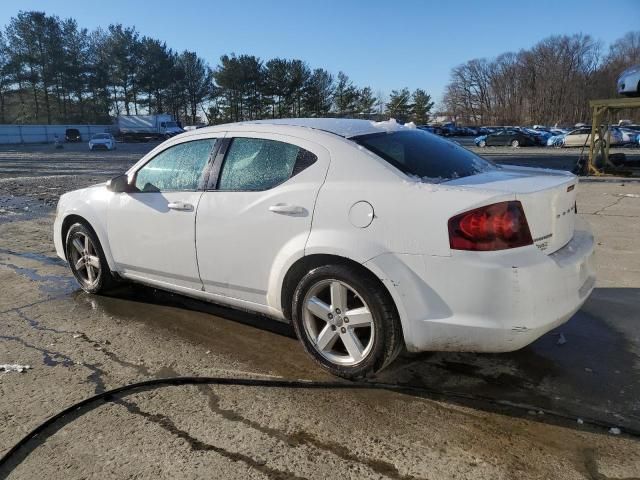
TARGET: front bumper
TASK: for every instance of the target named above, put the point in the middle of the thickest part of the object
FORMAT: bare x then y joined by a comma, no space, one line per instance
57,237
488,301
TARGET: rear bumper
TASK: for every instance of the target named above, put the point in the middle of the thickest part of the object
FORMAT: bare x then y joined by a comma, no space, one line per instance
489,301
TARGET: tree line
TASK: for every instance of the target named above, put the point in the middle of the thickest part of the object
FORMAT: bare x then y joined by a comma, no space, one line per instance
550,83
53,71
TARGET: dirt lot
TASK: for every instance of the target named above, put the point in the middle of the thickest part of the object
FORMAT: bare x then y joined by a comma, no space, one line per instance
494,420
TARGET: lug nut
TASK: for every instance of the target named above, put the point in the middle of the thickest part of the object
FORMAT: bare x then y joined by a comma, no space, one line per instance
343,330
330,316
338,311
346,319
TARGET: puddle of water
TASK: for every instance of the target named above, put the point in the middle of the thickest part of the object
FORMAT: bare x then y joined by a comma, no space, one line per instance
39,257
14,208
270,348
48,283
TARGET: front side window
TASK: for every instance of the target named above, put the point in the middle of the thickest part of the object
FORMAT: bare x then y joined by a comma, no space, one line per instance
178,168
421,154
256,164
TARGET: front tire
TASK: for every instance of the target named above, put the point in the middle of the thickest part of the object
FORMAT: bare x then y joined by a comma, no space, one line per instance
482,144
87,261
346,321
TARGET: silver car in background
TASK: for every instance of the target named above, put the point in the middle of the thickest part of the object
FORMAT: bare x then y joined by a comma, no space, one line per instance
629,82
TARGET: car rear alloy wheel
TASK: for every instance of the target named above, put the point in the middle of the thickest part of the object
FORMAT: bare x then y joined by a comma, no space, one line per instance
87,261
515,143
482,144
346,320
338,322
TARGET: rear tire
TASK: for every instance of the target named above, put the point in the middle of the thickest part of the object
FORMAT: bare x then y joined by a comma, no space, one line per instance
346,321
482,144
87,261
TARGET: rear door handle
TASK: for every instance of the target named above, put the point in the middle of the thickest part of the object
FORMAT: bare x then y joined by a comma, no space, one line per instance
286,209
182,206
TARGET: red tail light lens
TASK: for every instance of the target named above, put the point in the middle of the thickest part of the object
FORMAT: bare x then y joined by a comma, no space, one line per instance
494,227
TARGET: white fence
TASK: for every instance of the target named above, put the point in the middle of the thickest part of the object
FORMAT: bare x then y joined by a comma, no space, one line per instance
12,134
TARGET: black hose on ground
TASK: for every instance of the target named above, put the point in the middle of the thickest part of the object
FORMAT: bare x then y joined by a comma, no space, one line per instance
277,383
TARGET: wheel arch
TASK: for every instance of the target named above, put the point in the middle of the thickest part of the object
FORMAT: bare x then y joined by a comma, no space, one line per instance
308,262
74,218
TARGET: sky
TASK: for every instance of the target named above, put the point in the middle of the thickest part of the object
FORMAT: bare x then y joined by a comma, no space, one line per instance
384,44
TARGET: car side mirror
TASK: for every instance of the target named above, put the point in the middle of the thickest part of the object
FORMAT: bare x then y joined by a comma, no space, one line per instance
119,184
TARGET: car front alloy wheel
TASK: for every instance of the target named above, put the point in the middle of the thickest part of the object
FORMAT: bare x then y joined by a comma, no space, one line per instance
87,261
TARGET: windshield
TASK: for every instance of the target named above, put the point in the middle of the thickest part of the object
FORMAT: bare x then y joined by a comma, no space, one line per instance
424,155
100,136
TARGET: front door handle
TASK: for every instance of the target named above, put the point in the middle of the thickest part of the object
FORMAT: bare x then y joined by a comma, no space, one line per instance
286,209
182,206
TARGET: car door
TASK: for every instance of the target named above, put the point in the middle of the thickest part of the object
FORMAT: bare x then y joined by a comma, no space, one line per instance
151,230
256,212
493,139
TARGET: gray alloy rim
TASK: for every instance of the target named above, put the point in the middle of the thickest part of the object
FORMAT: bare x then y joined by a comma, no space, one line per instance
84,259
515,143
338,322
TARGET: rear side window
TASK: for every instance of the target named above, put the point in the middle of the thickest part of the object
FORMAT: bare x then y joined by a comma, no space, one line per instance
424,155
256,164
178,168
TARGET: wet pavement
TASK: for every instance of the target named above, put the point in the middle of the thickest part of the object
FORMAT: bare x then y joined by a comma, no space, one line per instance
461,416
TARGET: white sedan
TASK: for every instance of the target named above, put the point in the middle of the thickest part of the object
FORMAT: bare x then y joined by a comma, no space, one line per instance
368,237
104,141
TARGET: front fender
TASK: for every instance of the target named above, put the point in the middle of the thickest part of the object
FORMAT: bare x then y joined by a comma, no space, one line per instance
90,205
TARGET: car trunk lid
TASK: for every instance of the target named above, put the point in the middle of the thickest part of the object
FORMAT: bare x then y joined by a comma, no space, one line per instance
548,199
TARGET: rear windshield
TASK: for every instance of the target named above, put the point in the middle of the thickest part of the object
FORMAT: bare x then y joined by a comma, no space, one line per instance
100,136
421,154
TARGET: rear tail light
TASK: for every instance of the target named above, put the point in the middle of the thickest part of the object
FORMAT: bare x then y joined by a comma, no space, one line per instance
494,227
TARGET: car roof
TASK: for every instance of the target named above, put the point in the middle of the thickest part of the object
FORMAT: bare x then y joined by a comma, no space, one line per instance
343,127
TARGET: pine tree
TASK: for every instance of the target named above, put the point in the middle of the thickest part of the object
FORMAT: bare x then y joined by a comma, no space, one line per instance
422,106
399,106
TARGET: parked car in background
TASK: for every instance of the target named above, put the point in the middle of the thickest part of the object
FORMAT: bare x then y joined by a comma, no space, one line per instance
628,135
629,82
540,136
72,135
582,136
368,237
507,137
480,141
556,140
102,141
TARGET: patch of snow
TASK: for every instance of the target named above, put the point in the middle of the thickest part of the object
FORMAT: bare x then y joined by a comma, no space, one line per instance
392,125
417,179
561,339
580,421
615,431
14,367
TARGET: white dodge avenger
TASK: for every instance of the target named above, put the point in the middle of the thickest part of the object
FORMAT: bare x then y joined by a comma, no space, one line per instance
368,237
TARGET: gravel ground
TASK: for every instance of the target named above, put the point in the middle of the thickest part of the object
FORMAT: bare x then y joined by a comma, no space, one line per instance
77,345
